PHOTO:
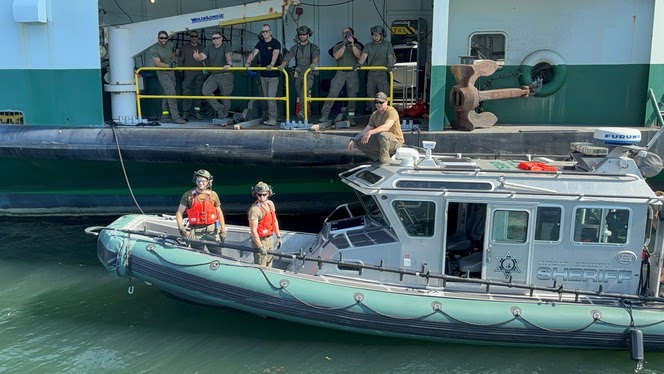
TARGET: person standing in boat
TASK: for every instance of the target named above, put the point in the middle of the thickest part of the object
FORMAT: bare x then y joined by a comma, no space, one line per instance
203,209
220,54
346,53
192,83
382,136
306,56
378,52
269,51
163,56
263,224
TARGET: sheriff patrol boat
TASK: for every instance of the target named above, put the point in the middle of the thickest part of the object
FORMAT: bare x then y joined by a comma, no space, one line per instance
529,251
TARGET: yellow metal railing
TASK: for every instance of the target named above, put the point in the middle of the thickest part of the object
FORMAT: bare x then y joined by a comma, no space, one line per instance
148,68
342,68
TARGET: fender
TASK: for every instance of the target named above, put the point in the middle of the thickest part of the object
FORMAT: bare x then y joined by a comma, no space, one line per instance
553,59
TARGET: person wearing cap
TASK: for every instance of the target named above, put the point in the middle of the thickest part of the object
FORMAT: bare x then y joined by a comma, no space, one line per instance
203,209
269,52
219,54
263,224
306,56
163,56
382,136
346,53
193,79
378,52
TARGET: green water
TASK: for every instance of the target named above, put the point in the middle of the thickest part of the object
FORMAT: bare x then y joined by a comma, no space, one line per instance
61,312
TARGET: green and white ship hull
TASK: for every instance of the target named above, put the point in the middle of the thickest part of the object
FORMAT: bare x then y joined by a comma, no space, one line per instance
599,59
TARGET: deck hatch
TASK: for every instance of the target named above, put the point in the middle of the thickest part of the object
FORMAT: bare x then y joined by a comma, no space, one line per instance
369,177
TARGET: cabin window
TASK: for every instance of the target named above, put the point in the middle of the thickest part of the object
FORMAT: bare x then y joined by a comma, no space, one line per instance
488,46
416,217
547,225
372,208
509,226
601,225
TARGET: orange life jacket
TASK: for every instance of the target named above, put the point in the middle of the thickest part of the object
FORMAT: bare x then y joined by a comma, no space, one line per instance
266,224
201,212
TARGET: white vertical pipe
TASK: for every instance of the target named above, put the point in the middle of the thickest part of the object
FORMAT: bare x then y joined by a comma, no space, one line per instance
121,87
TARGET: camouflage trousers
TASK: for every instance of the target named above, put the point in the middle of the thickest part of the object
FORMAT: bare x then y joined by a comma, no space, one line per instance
351,80
205,233
262,258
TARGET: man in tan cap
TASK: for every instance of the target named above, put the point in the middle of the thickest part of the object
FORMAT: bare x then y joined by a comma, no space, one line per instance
382,135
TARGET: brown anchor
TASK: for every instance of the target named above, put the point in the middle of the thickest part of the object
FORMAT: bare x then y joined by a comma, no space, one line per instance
465,97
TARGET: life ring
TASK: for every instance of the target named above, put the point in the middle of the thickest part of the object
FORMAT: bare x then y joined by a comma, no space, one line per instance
551,58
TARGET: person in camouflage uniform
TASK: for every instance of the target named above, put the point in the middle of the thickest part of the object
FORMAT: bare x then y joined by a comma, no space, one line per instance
346,53
203,209
306,56
263,224
378,52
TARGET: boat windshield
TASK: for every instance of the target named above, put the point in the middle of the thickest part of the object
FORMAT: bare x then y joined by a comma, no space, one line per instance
372,208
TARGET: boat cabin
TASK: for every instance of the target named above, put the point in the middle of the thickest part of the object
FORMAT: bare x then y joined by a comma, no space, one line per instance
580,223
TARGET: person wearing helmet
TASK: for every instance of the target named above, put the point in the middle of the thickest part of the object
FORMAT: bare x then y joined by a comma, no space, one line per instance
203,209
346,52
306,56
263,224
378,52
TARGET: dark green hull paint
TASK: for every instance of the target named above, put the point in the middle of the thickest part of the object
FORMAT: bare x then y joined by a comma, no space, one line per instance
98,187
656,82
47,97
440,110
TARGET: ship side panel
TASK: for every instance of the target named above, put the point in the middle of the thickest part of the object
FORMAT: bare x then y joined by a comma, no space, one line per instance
51,70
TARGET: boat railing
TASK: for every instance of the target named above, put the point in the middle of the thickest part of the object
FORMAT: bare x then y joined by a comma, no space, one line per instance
139,96
425,272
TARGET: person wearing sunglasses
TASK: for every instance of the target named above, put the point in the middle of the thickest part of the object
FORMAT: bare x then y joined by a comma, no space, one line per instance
382,136
306,56
263,224
192,83
203,209
163,56
269,52
219,54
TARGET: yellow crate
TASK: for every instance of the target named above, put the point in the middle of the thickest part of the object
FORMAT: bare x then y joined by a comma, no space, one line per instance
11,117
